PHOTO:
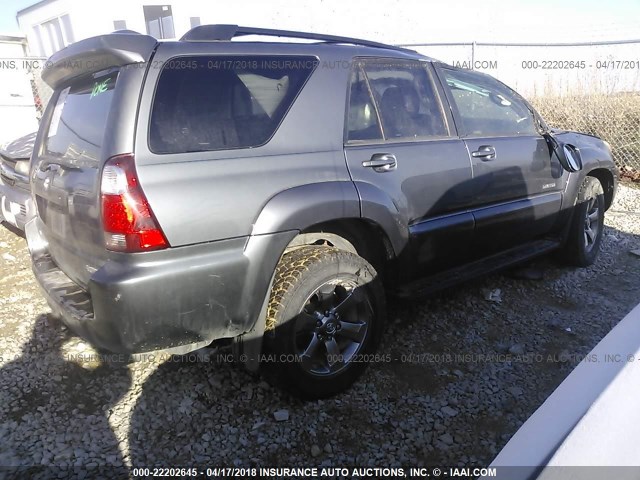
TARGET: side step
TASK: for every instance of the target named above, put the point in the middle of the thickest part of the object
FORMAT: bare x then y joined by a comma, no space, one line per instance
448,278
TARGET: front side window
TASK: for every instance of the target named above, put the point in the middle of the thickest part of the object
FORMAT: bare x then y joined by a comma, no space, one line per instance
406,101
207,103
488,107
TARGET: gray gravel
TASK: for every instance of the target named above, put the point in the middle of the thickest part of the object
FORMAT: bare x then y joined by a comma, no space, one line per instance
478,360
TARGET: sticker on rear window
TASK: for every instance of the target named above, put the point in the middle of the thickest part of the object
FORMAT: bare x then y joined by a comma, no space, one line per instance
100,87
57,112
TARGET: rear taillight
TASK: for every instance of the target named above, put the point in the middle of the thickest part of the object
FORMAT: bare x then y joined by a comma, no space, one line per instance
128,222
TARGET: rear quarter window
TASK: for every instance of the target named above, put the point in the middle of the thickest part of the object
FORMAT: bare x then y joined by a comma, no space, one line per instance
205,103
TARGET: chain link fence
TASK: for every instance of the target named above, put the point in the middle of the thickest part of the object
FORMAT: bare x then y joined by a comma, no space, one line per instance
614,118
588,87
41,91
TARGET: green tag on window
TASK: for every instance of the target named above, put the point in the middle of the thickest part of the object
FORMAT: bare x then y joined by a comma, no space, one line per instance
99,87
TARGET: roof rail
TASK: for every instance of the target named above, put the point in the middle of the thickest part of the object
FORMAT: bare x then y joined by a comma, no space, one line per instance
212,33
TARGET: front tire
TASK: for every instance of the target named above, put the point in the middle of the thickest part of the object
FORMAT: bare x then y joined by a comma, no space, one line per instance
587,225
325,317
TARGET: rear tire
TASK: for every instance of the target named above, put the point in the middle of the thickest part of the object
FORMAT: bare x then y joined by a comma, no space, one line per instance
587,225
325,317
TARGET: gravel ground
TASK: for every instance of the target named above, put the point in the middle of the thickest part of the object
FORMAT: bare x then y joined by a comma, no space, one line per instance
477,363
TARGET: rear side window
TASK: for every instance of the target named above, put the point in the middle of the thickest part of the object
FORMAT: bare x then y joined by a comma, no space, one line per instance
215,103
79,119
405,98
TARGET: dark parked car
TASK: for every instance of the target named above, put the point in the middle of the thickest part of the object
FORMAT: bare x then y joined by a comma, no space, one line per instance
16,205
270,193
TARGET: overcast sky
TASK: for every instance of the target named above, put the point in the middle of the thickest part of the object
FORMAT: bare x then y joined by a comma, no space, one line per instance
479,20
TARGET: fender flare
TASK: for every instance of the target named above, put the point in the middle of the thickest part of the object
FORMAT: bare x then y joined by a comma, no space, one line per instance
301,207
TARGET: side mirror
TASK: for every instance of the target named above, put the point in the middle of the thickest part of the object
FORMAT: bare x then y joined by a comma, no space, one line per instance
572,159
568,155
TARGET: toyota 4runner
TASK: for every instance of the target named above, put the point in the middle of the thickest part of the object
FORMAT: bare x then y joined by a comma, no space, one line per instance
206,189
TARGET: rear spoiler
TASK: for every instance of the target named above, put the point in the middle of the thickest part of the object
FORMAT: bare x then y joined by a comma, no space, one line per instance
95,54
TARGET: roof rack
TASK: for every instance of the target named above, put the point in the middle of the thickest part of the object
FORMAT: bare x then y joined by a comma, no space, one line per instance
212,33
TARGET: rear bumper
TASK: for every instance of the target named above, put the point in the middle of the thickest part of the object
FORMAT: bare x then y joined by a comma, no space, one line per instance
16,205
177,299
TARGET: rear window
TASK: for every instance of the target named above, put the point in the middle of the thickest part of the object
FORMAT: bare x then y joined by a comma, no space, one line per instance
207,103
77,125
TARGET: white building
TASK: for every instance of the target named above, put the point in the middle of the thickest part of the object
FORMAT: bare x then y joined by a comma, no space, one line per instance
50,25
17,104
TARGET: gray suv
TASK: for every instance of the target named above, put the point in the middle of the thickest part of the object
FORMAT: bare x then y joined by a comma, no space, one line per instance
268,194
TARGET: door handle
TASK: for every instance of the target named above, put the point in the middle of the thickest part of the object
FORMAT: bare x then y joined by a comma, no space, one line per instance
381,162
485,152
